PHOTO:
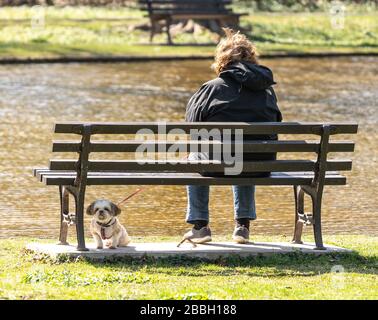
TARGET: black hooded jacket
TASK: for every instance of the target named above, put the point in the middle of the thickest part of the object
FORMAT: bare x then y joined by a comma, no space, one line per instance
242,93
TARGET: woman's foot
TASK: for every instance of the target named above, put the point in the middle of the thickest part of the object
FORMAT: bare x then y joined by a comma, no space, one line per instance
241,235
198,236
241,231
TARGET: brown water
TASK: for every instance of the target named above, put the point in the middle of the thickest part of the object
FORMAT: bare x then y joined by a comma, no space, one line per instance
33,97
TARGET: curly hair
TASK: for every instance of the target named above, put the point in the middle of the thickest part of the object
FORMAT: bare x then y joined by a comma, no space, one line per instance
234,47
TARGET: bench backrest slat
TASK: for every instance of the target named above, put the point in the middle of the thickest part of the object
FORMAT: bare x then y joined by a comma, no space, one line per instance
166,146
248,128
203,166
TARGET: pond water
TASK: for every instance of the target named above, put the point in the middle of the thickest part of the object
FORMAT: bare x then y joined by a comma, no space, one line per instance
33,97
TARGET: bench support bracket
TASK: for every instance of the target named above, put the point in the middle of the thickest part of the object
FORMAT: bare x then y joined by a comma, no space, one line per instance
80,186
65,217
168,23
315,191
78,193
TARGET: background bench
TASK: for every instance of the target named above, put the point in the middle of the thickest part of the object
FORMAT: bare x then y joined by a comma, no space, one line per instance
172,10
307,176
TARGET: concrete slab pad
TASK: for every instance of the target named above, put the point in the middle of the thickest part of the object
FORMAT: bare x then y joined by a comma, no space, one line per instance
212,250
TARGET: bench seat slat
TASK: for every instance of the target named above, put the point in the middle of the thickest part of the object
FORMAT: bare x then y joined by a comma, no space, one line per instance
248,128
250,146
190,166
101,178
39,172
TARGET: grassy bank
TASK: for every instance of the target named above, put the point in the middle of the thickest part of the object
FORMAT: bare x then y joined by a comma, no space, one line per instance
23,276
85,31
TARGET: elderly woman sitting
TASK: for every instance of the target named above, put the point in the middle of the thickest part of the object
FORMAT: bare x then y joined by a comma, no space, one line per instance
242,92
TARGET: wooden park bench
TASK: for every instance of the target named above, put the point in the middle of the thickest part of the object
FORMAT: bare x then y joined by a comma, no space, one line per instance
307,176
173,10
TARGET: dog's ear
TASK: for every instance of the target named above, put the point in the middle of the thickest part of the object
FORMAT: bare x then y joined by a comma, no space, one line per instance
90,208
116,209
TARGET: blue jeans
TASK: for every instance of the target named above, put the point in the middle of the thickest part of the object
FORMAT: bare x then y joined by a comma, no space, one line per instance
198,203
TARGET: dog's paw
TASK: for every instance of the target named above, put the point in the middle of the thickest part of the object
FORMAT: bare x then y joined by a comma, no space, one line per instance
112,247
99,247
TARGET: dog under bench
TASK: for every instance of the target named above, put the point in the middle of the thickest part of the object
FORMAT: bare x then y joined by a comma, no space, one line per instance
307,177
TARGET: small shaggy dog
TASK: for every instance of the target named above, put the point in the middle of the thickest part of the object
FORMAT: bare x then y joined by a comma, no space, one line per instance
105,225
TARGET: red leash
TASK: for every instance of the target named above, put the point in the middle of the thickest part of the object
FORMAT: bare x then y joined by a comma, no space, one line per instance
138,190
130,196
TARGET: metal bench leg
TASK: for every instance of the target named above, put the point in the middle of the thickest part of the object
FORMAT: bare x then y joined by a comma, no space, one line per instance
80,186
317,225
315,217
168,22
302,218
318,185
79,200
299,210
152,31
64,211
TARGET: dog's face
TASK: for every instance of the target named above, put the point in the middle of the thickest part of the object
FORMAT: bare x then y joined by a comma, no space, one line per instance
103,210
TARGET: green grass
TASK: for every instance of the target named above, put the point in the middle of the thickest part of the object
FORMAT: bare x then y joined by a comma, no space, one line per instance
301,6
294,276
313,32
86,31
